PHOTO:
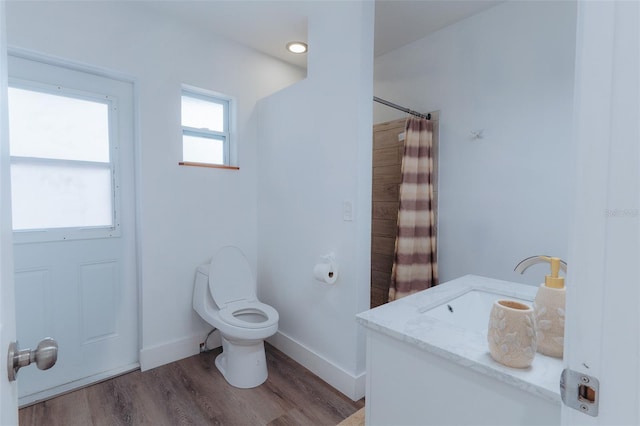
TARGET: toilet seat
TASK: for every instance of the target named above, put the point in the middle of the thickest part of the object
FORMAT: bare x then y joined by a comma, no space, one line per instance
232,314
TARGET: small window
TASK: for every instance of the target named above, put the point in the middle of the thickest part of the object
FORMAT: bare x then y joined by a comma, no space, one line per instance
205,127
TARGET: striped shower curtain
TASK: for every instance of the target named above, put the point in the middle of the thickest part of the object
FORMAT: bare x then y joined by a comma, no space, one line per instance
415,267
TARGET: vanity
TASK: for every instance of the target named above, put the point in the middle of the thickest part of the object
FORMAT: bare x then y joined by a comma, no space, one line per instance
428,362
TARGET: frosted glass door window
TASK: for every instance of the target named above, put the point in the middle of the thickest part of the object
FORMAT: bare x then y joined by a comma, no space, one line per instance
61,169
45,125
60,196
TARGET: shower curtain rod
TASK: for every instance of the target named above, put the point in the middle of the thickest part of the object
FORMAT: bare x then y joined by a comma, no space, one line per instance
403,109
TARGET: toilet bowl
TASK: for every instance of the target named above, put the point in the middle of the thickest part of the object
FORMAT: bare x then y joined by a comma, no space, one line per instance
225,296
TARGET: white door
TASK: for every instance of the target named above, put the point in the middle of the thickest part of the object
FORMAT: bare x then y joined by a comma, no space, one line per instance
71,139
603,286
8,390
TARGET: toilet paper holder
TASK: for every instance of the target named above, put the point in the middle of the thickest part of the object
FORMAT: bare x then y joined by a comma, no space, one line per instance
326,270
331,260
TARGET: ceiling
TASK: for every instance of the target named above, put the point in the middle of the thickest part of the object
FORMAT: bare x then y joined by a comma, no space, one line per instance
267,25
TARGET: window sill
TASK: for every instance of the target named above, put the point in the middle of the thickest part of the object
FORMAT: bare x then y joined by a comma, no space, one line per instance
212,166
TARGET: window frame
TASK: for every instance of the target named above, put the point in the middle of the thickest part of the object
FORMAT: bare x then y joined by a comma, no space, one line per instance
226,136
38,235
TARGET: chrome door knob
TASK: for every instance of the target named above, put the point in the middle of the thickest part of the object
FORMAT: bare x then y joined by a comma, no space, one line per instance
45,356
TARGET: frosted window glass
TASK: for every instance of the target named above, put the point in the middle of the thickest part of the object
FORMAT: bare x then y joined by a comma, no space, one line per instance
44,125
202,150
202,114
60,196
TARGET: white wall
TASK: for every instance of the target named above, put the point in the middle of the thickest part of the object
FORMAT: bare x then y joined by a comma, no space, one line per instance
315,153
508,71
185,213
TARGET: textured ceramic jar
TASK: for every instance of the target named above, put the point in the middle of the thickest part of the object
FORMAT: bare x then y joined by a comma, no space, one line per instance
512,333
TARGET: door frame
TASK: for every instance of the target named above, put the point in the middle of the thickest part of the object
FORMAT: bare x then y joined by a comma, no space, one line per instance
603,323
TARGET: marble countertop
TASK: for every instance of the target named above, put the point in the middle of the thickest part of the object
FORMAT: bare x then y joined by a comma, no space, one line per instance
404,320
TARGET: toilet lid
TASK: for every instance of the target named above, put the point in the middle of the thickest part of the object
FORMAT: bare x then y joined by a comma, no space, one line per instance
230,277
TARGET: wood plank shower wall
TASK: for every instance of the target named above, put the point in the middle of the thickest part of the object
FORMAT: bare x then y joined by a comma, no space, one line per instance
387,164
387,169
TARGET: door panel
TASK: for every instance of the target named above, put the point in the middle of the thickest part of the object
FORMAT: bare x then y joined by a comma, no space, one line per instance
603,293
8,390
78,284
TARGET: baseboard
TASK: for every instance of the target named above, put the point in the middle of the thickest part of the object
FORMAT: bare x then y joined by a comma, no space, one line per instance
345,382
164,353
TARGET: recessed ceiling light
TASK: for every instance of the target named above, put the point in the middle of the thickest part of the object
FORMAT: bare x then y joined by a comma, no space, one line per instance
297,47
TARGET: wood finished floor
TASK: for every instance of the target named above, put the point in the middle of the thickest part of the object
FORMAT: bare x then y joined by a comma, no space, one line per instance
193,392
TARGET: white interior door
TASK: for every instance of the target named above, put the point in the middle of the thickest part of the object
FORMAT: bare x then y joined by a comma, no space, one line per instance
603,286
8,390
71,138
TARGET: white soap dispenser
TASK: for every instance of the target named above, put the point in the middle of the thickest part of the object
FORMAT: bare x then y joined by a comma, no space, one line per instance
549,306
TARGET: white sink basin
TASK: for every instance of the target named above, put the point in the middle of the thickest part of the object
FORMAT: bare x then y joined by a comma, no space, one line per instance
470,310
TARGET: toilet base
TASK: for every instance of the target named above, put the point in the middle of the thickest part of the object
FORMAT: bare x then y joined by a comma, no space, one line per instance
243,364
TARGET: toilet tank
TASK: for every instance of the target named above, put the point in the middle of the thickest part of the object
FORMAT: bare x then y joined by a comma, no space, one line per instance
201,289
204,270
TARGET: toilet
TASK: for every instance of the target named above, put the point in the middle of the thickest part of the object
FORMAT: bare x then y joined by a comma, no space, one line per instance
224,295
